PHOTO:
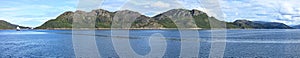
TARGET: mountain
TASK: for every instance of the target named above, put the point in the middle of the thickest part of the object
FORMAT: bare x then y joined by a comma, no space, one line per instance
174,18
246,24
63,21
7,25
102,17
296,26
105,18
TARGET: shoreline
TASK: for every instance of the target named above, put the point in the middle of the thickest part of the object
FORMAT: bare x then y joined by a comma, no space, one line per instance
135,29
113,28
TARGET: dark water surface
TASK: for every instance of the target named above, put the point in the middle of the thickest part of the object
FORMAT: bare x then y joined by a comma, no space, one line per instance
275,43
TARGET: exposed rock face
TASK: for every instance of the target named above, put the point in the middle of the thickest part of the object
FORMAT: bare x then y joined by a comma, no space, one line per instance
169,19
127,18
188,19
103,19
245,24
146,22
195,12
175,18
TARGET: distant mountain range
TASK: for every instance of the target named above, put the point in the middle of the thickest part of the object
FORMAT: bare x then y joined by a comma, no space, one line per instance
7,25
296,26
246,24
169,19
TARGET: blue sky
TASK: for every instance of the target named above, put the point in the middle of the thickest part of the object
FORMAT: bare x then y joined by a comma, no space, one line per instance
35,12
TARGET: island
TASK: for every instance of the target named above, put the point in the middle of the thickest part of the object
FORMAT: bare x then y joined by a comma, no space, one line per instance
192,19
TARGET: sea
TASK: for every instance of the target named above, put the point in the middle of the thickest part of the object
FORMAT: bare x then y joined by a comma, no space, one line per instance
165,43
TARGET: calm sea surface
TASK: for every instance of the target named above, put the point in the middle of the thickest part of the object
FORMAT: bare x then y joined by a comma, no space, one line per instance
275,43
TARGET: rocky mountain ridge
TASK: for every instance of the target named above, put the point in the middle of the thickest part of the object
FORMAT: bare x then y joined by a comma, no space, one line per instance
175,18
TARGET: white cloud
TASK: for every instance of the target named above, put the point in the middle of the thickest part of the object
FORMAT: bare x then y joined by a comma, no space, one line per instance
284,11
151,7
112,5
9,9
88,5
213,8
160,4
207,11
27,13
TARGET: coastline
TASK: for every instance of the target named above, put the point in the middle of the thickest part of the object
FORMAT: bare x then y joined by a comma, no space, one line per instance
137,29
113,28
8,29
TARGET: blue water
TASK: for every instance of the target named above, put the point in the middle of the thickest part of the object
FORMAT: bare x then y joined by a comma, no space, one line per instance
275,43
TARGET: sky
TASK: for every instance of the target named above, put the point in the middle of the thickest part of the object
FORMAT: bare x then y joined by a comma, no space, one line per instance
34,13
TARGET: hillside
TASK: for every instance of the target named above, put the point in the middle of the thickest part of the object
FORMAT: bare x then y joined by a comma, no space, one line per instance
7,25
246,24
296,26
105,18
175,18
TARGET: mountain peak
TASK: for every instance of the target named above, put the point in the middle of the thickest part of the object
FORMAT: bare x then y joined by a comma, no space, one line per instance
2,21
127,11
167,19
183,12
179,9
99,10
79,11
176,11
242,20
196,12
68,13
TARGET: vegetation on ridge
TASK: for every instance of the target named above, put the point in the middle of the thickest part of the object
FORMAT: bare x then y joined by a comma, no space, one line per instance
188,18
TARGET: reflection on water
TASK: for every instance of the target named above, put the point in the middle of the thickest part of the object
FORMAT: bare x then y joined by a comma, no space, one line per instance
274,43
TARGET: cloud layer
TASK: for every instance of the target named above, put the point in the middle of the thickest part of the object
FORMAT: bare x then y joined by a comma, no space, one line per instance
284,11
